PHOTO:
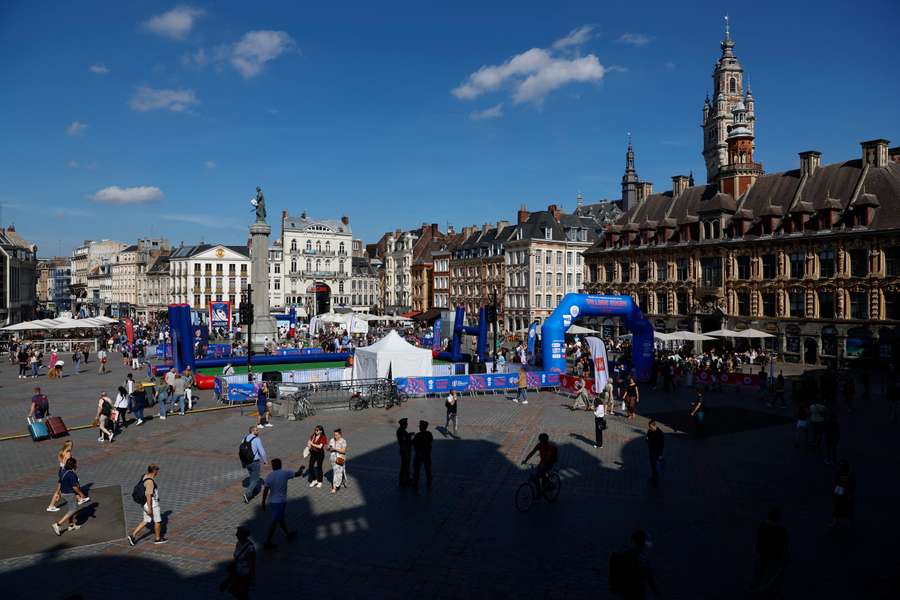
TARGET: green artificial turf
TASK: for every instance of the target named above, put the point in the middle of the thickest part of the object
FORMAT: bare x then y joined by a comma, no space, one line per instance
278,367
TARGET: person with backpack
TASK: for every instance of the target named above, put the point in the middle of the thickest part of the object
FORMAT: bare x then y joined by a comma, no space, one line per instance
70,490
253,456
103,418
146,493
629,571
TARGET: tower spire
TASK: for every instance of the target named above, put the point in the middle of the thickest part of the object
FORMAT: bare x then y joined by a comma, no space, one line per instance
727,28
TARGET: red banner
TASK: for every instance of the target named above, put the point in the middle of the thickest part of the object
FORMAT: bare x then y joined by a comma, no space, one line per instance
568,383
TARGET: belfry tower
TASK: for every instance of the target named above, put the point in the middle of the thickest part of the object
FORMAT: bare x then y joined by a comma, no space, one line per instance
718,114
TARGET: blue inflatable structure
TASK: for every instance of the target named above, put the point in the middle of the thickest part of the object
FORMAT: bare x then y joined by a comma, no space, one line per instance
460,328
575,306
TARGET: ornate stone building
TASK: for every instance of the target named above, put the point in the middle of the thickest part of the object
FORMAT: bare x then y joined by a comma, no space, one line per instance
478,269
810,255
203,273
128,270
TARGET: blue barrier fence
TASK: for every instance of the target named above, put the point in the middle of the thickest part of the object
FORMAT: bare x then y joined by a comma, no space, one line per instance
422,386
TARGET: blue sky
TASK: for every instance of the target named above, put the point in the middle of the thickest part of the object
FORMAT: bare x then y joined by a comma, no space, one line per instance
131,118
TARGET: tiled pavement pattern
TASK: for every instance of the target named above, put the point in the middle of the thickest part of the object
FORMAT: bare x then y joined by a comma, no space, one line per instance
465,538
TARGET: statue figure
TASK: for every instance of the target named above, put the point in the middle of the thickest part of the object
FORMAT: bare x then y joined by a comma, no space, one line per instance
260,203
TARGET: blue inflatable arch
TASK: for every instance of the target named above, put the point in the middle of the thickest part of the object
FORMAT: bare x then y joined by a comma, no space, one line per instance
576,306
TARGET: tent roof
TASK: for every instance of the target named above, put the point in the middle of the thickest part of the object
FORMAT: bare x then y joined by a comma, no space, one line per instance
392,342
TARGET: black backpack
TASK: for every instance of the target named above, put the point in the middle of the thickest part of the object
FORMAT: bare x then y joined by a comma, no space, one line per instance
245,451
139,493
623,570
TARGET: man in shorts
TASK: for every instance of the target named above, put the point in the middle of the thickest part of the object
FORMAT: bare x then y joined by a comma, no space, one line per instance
69,490
151,510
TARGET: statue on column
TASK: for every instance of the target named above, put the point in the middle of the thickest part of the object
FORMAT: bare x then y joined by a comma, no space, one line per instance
259,202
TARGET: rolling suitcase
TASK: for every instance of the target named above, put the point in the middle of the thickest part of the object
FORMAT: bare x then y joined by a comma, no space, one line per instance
38,430
56,427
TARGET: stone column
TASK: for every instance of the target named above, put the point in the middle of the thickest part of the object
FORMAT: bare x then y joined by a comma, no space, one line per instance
263,322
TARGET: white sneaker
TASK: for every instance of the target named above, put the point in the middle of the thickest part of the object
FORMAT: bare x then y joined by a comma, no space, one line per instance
269,425
516,401
312,483
162,417
139,422
111,436
318,484
56,529
52,508
100,439
83,500
524,401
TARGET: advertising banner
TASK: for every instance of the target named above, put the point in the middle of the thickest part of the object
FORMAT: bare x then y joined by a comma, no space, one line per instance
219,314
532,338
599,361
421,386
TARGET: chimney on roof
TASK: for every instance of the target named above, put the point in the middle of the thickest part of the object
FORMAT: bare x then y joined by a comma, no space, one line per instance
554,210
485,227
679,185
894,154
875,153
809,162
645,190
284,214
523,214
502,225
435,232
345,220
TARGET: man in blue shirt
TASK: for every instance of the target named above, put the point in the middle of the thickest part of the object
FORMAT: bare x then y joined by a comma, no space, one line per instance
70,490
254,482
40,406
276,492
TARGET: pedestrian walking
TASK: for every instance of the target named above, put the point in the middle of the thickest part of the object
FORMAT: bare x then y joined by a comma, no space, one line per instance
76,360
315,451
275,491
102,357
74,497
35,362
818,413
656,445
23,362
599,422
178,391
844,494
121,409
64,454
771,557
452,407
338,449
521,396
165,393
147,490
85,352
582,396
138,403
189,387
631,396
404,443
40,406
242,568
422,443
698,415
103,418
253,456
262,406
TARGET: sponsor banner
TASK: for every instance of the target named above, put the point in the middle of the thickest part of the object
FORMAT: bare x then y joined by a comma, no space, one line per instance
599,360
532,338
420,386
567,382
219,314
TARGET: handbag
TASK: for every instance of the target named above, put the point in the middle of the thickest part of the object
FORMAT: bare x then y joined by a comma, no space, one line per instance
339,461
306,452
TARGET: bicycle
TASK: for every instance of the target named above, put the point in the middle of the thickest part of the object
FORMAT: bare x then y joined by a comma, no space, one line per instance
358,401
528,492
395,397
301,407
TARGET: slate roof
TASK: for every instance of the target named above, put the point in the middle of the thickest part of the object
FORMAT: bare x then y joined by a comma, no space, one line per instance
189,251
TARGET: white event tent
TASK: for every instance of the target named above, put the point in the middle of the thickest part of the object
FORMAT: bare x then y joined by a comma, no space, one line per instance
391,353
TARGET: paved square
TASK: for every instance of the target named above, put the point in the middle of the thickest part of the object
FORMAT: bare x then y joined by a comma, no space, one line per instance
465,538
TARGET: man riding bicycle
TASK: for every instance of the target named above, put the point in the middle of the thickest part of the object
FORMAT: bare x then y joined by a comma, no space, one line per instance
548,453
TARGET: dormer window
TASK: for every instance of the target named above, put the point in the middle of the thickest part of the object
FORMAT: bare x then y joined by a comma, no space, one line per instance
548,233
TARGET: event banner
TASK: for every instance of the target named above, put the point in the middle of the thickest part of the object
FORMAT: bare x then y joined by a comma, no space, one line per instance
421,386
219,314
532,338
436,340
598,357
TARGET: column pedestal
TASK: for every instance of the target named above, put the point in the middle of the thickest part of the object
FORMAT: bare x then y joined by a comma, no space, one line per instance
264,327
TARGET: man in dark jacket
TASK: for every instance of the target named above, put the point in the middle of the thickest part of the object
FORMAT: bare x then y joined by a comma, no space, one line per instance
404,442
422,444
655,445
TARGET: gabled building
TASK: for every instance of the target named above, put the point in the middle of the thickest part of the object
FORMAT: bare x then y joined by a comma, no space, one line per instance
18,277
203,273
478,269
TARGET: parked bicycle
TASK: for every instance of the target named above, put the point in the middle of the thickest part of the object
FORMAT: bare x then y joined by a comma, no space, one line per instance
546,487
300,406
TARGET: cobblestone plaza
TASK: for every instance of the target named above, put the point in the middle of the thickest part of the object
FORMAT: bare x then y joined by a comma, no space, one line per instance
465,538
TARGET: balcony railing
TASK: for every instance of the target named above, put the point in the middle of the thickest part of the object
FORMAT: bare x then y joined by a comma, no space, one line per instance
319,274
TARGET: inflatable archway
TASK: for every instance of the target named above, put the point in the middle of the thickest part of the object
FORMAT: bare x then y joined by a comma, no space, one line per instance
575,306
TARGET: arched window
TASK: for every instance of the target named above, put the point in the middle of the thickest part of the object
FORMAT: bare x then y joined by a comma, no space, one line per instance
293,245
340,287
308,265
308,246
732,85
318,265
341,248
293,266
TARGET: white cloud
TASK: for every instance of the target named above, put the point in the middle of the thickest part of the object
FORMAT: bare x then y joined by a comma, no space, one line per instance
198,58
76,128
73,164
494,112
210,164
99,69
532,75
250,54
634,39
147,99
576,37
176,23
132,195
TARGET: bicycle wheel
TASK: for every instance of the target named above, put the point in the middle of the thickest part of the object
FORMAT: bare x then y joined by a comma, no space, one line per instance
310,409
378,399
524,497
552,484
